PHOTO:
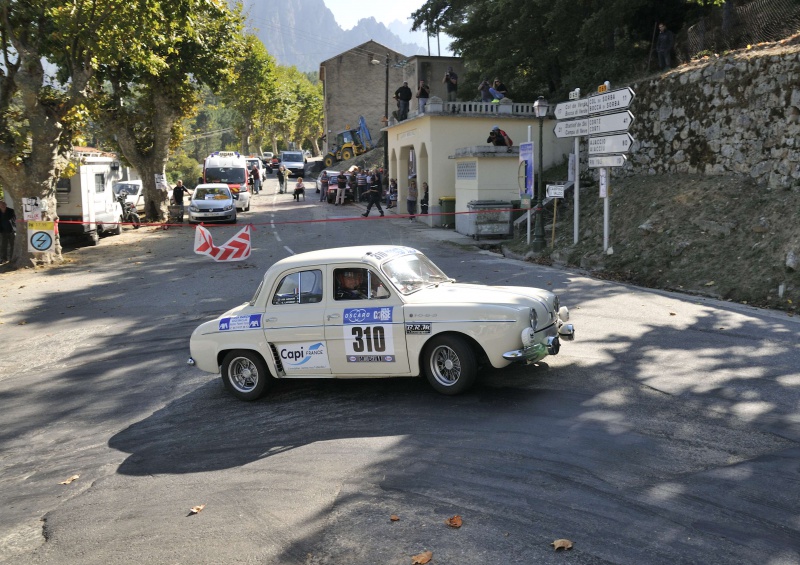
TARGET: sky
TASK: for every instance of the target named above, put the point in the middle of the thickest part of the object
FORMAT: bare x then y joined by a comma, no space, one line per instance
348,12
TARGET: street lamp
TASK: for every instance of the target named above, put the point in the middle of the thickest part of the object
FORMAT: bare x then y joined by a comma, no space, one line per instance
540,108
385,115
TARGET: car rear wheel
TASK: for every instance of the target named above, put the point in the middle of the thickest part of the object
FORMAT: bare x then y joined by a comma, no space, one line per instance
449,364
245,374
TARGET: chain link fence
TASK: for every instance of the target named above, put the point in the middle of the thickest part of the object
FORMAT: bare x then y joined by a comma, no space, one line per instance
735,26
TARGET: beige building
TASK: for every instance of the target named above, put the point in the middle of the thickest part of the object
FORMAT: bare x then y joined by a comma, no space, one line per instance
355,84
447,148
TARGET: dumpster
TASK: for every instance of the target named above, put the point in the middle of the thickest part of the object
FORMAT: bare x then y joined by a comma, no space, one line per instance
486,217
448,206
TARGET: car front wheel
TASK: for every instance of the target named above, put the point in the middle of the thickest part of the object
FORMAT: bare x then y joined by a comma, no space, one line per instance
449,364
245,374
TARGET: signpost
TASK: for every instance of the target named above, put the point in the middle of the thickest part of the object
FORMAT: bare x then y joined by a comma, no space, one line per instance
555,191
613,100
607,123
572,128
607,161
572,109
42,236
620,143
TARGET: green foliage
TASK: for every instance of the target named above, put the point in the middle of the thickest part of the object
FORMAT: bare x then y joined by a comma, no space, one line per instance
182,166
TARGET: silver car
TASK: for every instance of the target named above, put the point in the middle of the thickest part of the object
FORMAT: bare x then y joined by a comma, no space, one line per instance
212,202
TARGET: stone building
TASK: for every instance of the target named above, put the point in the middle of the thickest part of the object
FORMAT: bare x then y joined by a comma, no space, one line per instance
355,84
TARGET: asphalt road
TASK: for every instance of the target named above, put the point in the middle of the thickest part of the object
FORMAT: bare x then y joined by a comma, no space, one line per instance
667,432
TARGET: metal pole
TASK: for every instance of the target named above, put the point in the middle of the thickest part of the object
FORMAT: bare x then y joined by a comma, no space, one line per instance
386,133
606,208
538,230
577,189
528,211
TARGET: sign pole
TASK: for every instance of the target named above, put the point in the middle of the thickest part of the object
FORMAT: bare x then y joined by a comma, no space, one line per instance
576,194
530,207
606,208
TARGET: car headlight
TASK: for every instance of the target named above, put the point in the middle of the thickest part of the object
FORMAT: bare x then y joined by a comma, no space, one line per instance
193,208
228,207
534,318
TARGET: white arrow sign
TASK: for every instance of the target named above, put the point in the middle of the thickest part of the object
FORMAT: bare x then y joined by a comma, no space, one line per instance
620,143
613,100
610,122
555,191
572,128
572,109
607,161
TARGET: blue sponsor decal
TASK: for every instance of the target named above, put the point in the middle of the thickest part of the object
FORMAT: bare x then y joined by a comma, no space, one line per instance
367,315
240,323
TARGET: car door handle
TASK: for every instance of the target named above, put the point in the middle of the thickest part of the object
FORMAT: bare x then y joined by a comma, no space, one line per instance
332,316
271,320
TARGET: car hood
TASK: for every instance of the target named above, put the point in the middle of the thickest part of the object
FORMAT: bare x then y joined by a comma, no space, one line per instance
461,293
212,204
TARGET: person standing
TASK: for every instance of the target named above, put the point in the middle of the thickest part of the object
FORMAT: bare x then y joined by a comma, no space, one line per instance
664,45
484,88
423,93
281,179
403,95
391,194
323,183
411,199
341,187
374,194
450,80
255,178
8,232
423,203
177,195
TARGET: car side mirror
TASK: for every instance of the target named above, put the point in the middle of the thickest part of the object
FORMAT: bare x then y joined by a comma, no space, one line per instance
236,197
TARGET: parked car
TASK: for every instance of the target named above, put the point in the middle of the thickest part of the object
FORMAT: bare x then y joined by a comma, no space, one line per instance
373,312
294,161
134,193
212,202
266,159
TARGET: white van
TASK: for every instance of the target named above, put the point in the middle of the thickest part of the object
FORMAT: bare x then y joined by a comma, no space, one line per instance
295,162
88,199
229,167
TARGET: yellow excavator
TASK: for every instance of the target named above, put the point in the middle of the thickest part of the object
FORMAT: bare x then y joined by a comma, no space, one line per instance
349,143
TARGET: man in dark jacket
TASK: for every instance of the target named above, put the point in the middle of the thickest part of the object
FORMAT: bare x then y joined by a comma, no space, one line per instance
664,45
8,231
403,96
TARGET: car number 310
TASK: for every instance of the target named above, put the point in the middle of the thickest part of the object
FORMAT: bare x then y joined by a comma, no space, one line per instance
369,339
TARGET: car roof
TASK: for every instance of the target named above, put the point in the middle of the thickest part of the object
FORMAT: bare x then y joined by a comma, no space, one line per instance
370,254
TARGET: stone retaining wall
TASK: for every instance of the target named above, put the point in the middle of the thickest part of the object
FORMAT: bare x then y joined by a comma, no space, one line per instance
739,113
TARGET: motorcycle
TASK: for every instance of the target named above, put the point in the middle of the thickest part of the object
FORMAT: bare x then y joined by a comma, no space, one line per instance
129,215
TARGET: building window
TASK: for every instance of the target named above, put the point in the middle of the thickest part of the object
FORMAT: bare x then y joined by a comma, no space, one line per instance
467,170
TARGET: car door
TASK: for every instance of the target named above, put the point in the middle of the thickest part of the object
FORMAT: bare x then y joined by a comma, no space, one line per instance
293,324
365,336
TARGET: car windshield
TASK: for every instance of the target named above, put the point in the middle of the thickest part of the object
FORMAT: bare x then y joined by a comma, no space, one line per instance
230,175
409,273
292,157
213,193
126,188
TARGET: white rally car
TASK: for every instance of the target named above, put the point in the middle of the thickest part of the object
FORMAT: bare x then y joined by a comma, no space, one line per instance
372,312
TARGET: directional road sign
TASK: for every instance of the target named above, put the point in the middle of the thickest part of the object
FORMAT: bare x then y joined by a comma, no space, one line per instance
555,191
607,161
607,123
620,143
613,100
572,109
572,128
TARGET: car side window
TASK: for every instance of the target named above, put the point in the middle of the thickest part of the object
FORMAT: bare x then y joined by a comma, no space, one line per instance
303,287
358,284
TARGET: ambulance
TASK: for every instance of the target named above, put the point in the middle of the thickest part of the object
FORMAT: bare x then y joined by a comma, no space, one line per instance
229,167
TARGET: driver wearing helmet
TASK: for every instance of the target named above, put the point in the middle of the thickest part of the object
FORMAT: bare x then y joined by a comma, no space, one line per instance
350,284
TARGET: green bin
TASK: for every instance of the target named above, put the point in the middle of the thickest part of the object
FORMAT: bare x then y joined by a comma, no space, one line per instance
448,206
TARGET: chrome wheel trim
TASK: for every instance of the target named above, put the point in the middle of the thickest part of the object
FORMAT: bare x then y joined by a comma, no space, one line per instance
445,365
243,374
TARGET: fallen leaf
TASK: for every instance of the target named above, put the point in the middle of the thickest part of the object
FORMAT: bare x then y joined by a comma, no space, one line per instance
196,509
69,480
562,544
710,283
394,517
454,522
422,558
672,314
22,323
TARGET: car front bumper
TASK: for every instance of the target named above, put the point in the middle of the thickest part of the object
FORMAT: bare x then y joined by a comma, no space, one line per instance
538,345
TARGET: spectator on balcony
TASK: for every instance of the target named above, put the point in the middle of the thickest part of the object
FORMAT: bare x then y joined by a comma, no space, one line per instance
664,45
423,93
450,80
484,88
500,138
403,96
498,90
